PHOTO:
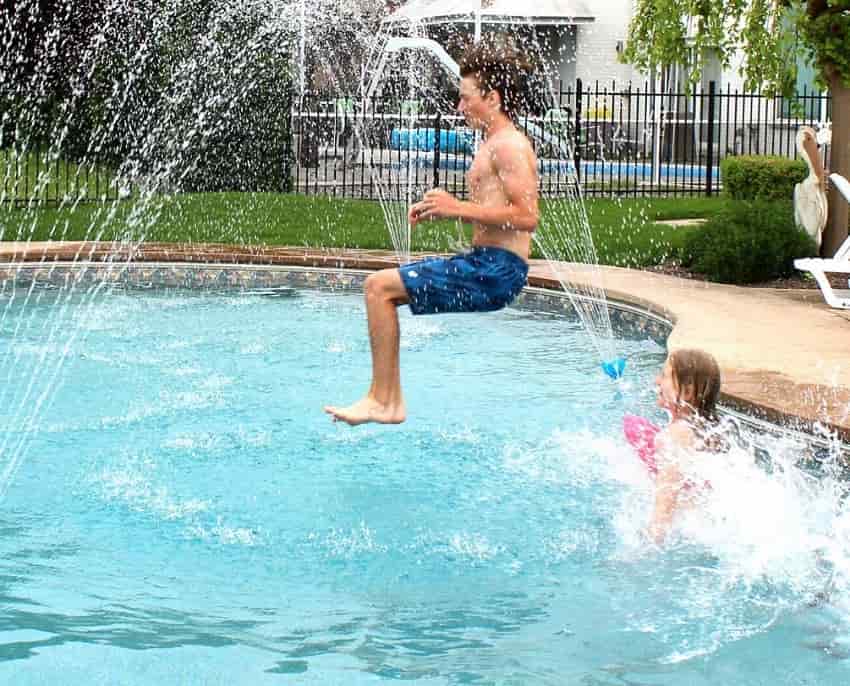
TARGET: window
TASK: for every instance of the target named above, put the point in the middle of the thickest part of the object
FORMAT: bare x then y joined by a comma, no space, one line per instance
809,98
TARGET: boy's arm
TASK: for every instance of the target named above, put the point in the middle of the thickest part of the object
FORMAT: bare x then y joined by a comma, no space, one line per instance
519,182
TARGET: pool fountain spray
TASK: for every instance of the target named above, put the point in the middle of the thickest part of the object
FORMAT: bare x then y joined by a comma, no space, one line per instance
78,88
178,522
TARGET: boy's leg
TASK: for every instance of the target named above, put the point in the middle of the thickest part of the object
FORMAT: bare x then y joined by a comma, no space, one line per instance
383,403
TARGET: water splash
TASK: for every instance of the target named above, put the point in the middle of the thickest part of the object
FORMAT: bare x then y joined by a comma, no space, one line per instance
141,96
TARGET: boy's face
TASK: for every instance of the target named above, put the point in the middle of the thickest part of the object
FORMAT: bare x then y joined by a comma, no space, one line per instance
476,106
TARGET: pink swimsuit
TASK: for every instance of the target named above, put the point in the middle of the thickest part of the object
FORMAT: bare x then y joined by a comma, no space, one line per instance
641,432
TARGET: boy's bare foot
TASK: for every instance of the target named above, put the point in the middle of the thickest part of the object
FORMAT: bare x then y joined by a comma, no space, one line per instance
367,410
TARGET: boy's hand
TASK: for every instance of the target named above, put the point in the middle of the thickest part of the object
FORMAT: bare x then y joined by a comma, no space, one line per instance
436,204
414,213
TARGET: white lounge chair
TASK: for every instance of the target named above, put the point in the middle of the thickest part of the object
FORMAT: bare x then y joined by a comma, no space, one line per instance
838,264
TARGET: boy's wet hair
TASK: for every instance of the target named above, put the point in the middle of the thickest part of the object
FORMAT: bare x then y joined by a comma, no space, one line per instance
502,68
698,376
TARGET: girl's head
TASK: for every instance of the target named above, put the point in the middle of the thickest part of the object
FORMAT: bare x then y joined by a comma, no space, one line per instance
689,384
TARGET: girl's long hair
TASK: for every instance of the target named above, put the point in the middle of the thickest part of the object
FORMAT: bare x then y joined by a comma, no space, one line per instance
697,375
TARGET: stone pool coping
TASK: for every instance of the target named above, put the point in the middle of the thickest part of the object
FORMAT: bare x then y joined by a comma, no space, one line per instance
783,353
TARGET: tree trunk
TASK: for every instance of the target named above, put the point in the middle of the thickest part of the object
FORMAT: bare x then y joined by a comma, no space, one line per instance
836,228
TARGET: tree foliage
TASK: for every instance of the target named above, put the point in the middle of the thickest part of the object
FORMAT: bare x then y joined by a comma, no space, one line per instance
825,28
175,94
771,32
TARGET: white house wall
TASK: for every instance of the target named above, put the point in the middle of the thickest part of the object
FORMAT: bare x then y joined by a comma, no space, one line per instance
561,56
596,53
596,44
589,51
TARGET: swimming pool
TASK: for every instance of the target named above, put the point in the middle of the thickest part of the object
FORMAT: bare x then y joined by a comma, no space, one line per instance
186,514
623,169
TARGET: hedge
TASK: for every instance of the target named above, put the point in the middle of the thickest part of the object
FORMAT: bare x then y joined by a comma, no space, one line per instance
761,177
748,242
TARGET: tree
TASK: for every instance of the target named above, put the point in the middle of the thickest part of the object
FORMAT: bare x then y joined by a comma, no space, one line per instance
667,32
43,41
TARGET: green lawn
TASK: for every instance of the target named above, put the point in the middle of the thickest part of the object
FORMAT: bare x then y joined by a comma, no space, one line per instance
623,231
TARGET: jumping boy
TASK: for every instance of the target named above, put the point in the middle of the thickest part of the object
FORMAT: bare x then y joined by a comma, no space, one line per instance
503,212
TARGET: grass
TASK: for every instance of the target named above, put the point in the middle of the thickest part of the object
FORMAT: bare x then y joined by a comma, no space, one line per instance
624,231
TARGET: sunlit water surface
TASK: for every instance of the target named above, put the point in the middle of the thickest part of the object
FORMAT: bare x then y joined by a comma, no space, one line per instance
186,514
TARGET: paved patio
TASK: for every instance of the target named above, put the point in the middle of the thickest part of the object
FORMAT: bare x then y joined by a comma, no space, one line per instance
783,353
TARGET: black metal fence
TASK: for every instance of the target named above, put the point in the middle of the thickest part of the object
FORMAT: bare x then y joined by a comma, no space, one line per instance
36,175
613,141
632,141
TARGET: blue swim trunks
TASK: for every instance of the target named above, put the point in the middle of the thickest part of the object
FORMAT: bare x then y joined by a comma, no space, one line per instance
482,279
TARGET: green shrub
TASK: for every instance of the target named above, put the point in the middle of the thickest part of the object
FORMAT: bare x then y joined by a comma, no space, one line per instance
748,242
761,177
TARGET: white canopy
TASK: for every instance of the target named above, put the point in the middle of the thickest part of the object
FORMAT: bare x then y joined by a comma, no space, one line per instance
536,12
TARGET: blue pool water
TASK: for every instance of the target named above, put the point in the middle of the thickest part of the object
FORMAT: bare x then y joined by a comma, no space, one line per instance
184,513
425,139
620,169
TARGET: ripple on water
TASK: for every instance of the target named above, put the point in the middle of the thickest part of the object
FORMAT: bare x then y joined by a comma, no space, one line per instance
499,530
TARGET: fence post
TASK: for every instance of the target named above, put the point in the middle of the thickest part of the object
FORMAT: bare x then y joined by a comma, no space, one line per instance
709,158
577,132
288,132
436,151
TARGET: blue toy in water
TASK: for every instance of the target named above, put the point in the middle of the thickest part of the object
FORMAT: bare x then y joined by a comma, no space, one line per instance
615,368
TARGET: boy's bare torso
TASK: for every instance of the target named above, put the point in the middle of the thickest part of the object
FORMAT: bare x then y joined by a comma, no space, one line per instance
487,189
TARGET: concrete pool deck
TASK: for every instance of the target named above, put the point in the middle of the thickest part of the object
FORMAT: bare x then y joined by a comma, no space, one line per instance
783,353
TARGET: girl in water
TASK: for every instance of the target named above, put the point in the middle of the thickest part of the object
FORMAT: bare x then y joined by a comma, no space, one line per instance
687,387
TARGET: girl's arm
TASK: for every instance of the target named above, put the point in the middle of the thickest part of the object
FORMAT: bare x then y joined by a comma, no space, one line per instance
668,483
670,445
